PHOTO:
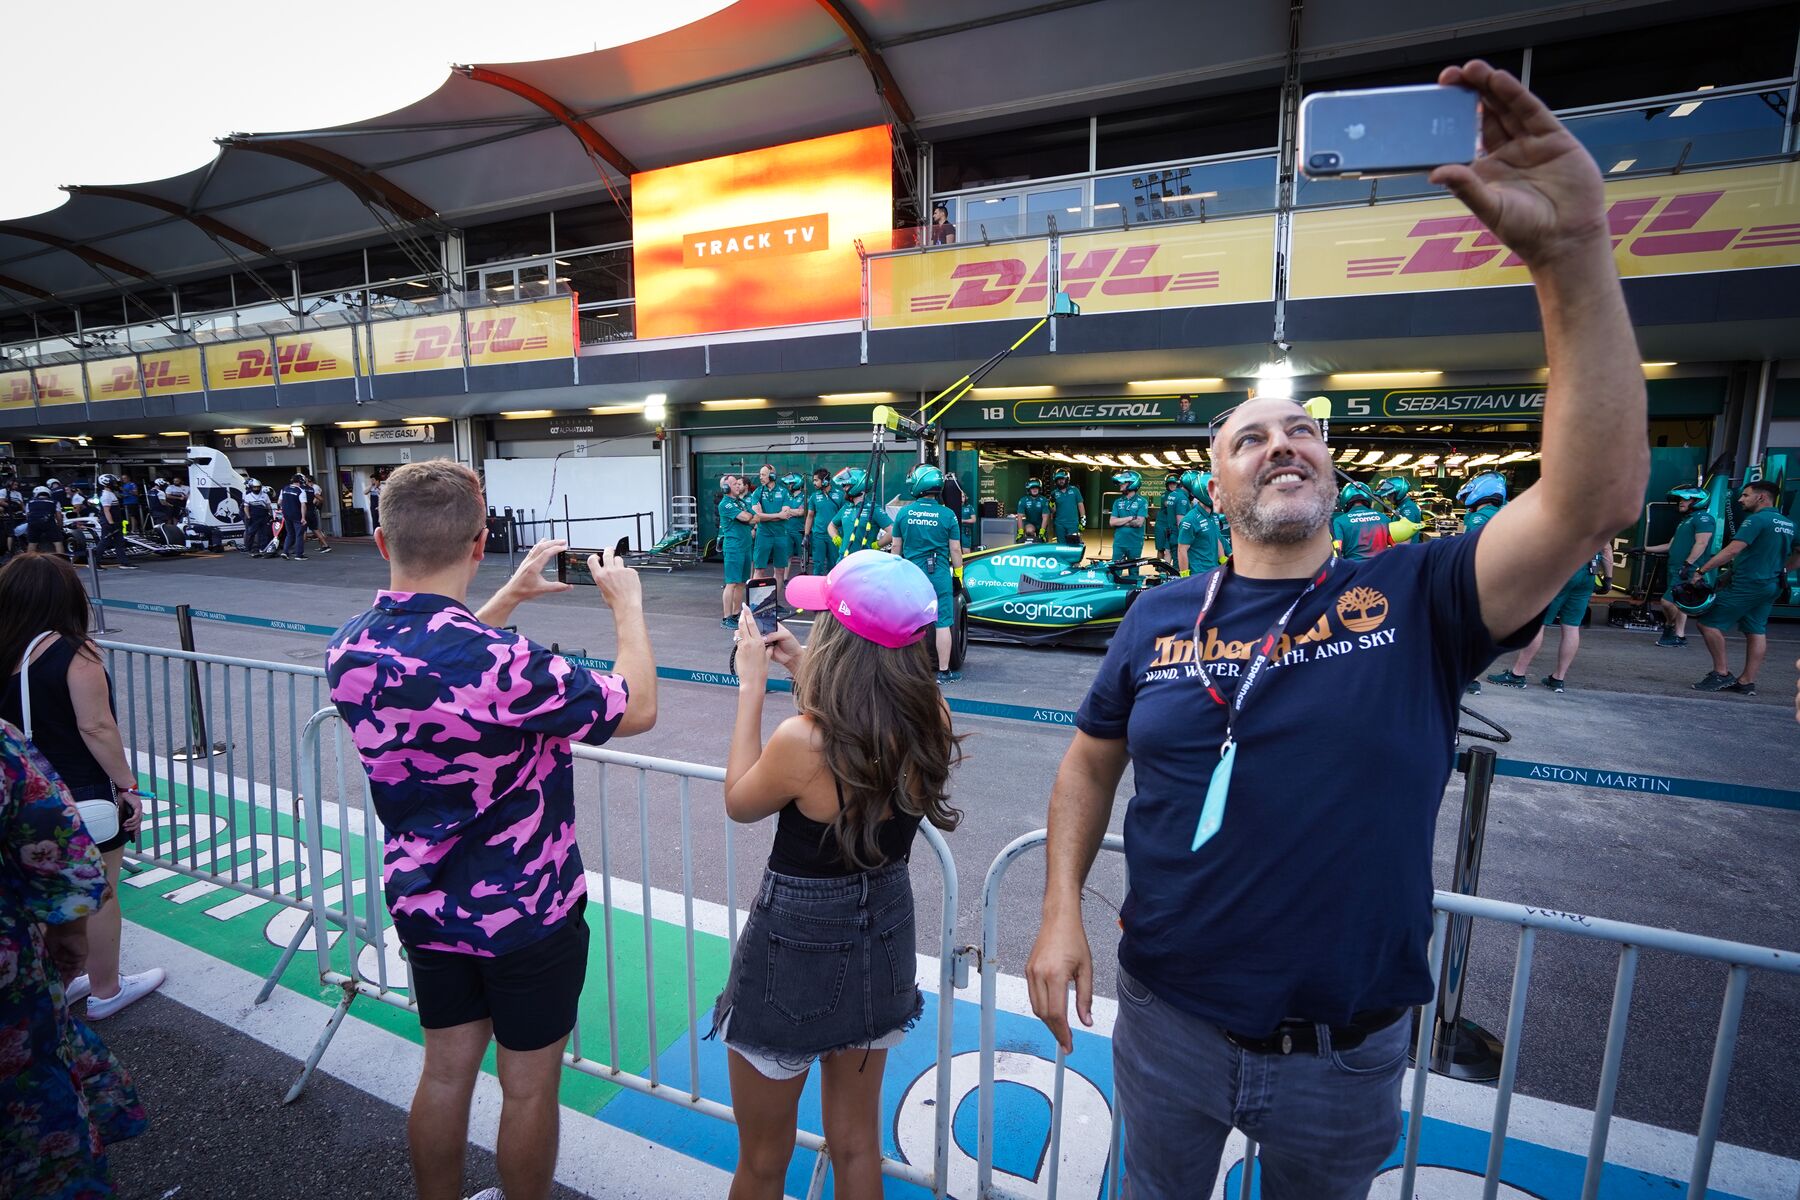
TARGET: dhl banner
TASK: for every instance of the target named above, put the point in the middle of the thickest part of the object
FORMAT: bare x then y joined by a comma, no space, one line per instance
170,372
1665,225
233,365
1122,270
312,356
763,238
113,379
60,384
511,333
15,389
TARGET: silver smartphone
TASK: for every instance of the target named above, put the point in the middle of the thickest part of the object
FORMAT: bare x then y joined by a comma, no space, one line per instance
1387,131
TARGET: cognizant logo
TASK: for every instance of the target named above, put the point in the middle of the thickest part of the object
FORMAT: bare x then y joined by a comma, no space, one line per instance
1031,610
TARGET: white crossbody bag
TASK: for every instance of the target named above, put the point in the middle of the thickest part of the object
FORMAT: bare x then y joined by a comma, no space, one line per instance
101,817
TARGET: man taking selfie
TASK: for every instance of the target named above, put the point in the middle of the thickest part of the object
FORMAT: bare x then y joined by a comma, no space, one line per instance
1276,930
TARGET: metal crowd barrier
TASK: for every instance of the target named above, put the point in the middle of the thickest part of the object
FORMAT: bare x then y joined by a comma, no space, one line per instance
354,904
1740,958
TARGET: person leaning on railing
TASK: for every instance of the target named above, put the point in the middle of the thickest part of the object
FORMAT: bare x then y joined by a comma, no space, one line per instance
44,616
825,968
464,730
1276,930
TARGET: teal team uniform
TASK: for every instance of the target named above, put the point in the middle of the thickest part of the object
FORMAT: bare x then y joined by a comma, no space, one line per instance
1756,572
1475,518
734,539
773,548
1199,532
1409,510
1175,506
1128,540
925,529
1034,511
1571,604
824,507
1696,526
1360,533
860,523
1065,503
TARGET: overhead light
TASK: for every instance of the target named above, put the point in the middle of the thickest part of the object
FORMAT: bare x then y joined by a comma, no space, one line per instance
748,402
1371,458
1515,456
603,410
1085,460
1425,462
852,397
1481,460
1194,456
1075,209
1454,460
519,414
1381,376
1099,207
1399,460
656,406
180,433
297,429
231,431
1040,389
130,437
356,424
1173,456
1275,379
1196,384
1624,164
1659,364
1348,453
501,287
418,283
48,441
424,420
1682,110
563,262
1110,461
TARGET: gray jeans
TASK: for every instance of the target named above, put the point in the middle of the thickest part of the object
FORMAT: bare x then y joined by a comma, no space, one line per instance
1324,1121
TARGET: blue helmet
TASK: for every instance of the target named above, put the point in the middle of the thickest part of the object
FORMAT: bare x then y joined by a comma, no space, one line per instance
1394,488
1489,487
793,482
1034,483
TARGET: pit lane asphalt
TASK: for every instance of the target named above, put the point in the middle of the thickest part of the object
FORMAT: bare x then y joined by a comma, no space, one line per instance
1701,866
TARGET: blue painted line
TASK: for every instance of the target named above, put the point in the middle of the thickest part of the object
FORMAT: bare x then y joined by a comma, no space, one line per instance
1654,785
204,614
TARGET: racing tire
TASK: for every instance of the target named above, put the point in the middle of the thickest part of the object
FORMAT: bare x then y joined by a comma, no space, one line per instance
959,631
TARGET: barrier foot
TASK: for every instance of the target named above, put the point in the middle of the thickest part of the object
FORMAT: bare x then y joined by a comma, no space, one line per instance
318,1050
287,956
1465,1051
200,750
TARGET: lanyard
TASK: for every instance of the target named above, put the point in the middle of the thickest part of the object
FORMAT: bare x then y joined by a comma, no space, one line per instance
1212,811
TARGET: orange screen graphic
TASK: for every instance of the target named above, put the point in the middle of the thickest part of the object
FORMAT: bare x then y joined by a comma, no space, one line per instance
763,238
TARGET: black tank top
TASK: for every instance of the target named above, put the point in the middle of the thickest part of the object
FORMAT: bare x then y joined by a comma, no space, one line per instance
809,849
53,727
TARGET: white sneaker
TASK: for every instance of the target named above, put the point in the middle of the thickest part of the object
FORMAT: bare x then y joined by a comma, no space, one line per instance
493,1193
131,987
78,990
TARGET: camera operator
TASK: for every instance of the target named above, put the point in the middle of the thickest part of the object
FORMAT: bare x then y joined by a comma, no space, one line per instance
1264,978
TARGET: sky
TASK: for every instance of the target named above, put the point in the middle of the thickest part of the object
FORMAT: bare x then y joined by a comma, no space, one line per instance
133,91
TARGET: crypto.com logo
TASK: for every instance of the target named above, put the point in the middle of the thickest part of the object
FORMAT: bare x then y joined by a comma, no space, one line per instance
435,342
294,359
1116,272
1447,245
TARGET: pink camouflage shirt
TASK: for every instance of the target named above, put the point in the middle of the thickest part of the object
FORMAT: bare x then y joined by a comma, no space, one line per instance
464,730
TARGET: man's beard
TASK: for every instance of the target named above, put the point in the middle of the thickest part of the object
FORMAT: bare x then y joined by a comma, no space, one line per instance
1278,522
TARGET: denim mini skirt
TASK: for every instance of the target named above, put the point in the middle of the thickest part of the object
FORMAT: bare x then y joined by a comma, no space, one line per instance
823,965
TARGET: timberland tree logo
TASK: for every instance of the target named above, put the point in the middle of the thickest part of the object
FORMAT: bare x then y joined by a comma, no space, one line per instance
1126,271
1650,227
1362,609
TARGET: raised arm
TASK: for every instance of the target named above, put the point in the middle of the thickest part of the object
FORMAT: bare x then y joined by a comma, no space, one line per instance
1539,191
1080,806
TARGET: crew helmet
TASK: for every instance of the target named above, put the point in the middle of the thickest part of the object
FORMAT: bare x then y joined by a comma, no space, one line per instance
55,483
161,482
1489,487
1394,487
792,481
925,478
1196,482
1034,483
39,490
1697,496
109,480
1355,493
1128,480
1061,475
1693,596
854,480
252,484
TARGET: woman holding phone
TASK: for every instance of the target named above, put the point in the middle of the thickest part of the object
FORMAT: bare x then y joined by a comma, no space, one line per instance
825,969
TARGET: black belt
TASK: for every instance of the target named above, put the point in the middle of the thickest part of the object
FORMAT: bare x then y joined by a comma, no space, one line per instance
1302,1037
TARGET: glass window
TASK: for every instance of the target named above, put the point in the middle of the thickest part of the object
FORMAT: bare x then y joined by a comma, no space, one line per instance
1186,193
1190,129
1667,59
333,273
103,312
1048,150
1063,205
388,261
272,283
592,225
1692,133
17,327
205,295
991,217
605,275
607,323
519,237
1423,69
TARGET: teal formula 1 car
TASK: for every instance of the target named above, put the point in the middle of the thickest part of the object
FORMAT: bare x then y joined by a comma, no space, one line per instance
1041,593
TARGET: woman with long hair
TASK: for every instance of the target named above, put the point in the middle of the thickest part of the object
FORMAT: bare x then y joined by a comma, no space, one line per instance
73,726
825,969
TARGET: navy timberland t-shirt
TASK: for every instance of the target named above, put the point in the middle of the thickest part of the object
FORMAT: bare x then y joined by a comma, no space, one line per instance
1314,898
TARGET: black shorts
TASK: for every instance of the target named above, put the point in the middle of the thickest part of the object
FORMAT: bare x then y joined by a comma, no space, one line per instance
529,995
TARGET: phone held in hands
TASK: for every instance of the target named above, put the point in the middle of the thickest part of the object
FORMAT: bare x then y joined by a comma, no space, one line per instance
1387,131
759,594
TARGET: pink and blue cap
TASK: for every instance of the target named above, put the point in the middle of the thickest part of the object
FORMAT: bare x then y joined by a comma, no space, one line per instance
877,596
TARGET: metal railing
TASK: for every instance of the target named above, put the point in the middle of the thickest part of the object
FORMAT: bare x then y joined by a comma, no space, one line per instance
1739,958
366,934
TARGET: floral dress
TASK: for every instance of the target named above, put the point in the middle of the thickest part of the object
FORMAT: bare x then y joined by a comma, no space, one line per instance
63,1096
